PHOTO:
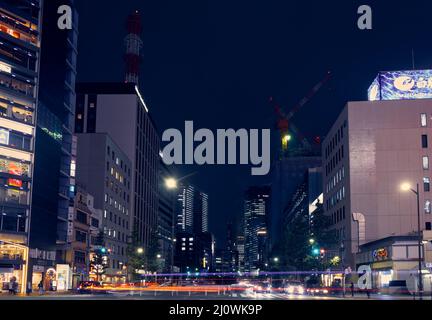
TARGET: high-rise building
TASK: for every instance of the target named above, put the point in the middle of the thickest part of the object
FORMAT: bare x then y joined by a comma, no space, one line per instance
118,109
184,208
20,30
240,246
306,193
200,212
256,211
53,176
191,210
371,150
166,219
287,174
105,171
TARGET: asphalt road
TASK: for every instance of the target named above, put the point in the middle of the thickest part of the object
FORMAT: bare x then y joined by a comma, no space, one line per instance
150,295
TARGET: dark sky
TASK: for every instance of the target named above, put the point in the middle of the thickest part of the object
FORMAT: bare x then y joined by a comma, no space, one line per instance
216,62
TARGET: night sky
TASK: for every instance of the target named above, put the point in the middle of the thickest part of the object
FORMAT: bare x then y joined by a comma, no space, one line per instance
217,62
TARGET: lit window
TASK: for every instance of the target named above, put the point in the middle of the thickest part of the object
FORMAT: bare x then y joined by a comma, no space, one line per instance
183,248
106,197
72,168
423,120
105,213
427,207
425,163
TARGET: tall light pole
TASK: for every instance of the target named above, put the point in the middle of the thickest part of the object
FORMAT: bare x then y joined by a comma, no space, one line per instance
172,184
407,187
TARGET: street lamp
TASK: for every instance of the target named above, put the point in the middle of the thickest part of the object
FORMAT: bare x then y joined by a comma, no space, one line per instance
276,259
407,187
311,241
140,250
171,183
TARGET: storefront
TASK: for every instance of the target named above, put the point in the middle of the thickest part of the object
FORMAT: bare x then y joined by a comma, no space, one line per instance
13,259
392,260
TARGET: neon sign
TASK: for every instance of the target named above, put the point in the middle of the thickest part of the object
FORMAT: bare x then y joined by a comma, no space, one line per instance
401,85
380,254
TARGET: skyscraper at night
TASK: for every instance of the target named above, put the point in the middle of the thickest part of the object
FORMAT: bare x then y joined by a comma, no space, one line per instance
192,210
54,180
119,110
256,211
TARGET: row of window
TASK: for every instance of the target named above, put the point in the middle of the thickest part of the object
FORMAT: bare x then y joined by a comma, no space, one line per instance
338,177
338,215
118,161
120,236
337,137
117,190
116,204
335,198
117,220
12,220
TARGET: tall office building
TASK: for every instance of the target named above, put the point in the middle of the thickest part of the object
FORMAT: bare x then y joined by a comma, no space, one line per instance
53,178
256,211
191,210
286,174
118,109
105,172
166,219
371,150
200,212
184,208
20,25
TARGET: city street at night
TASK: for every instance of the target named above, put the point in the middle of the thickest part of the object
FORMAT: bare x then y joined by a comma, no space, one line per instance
215,158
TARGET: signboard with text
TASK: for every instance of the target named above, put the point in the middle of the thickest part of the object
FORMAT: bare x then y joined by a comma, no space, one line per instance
401,85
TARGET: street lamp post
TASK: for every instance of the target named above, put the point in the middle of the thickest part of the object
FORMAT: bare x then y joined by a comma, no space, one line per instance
407,187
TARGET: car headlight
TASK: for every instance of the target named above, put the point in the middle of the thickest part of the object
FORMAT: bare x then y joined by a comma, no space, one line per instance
290,289
325,291
300,290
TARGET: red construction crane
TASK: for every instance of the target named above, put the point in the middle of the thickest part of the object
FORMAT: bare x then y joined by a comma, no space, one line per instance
284,124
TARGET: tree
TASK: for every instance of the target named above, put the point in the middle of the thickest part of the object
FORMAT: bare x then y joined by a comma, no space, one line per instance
99,261
136,255
297,251
152,252
320,228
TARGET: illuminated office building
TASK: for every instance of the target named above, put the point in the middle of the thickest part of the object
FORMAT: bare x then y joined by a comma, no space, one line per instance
19,73
370,151
256,211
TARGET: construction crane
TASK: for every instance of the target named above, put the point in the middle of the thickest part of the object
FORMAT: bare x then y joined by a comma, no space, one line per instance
284,123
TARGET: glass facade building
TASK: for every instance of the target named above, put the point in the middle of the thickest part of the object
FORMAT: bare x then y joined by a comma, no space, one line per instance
19,76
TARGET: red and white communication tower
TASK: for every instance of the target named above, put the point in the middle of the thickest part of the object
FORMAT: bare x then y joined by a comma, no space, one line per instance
133,48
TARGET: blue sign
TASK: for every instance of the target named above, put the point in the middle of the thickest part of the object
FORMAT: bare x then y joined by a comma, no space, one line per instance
401,85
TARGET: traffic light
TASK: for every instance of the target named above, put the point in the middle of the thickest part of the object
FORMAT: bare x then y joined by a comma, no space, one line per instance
103,250
315,252
322,253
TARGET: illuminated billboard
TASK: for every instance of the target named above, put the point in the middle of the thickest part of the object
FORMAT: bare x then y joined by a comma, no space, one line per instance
401,85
